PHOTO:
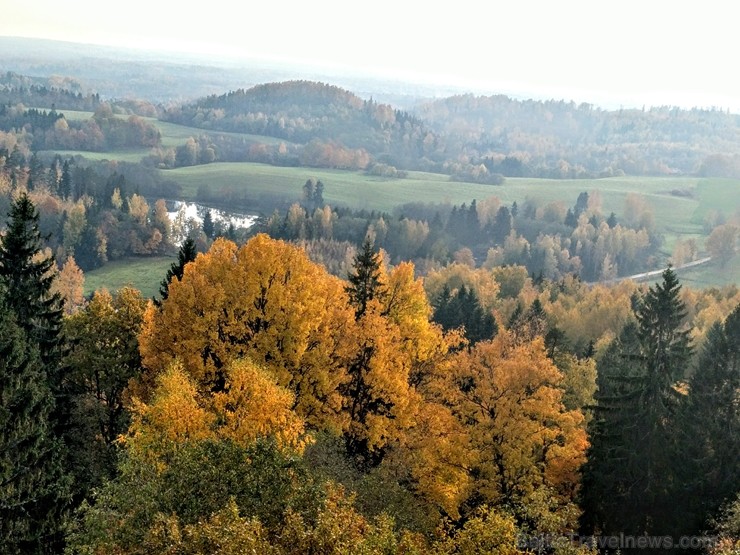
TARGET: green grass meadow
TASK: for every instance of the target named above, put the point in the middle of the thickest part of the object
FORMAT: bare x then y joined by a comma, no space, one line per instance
145,274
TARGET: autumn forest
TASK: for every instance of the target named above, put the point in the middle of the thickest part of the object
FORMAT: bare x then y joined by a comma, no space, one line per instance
443,377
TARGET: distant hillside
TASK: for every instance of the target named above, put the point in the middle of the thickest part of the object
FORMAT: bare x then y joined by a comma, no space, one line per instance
118,73
305,111
563,139
337,121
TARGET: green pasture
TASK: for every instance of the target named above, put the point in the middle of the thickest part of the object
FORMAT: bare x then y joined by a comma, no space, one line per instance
174,135
707,275
145,274
74,115
131,155
673,212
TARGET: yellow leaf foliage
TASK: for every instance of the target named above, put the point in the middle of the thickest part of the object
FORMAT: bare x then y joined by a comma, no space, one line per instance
511,438
251,406
266,301
70,283
254,406
173,416
396,348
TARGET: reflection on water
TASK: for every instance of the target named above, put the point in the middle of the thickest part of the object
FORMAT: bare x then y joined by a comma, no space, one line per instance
187,216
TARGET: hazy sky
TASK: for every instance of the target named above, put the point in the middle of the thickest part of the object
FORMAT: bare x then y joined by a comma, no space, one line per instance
629,52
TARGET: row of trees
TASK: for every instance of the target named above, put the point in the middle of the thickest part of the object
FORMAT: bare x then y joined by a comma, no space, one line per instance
104,131
550,240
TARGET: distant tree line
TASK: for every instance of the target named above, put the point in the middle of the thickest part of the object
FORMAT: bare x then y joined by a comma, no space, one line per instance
549,240
42,130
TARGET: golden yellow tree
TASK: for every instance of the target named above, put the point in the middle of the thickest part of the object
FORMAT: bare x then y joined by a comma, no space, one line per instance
251,406
267,302
70,283
395,347
510,442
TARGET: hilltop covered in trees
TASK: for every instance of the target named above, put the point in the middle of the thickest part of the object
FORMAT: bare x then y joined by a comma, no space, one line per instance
561,139
478,137
324,117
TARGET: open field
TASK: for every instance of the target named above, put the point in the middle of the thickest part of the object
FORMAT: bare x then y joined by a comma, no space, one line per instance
132,155
673,213
174,135
711,275
145,274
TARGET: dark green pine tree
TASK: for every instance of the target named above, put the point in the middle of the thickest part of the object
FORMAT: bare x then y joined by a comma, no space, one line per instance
710,425
443,309
526,325
364,281
187,253
33,488
28,279
463,310
309,187
502,225
36,172
318,195
570,219
631,473
65,185
581,204
209,228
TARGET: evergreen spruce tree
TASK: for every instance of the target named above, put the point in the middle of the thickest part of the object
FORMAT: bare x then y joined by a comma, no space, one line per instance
65,185
570,219
318,195
33,488
28,276
502,225
710,426
463,310
209,228
365,282
187,253
630,476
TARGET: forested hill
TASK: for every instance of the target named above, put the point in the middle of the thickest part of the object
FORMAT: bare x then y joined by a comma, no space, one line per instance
497,134
302,111
565,139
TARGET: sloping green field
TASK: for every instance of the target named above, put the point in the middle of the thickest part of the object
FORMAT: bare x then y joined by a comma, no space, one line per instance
350,188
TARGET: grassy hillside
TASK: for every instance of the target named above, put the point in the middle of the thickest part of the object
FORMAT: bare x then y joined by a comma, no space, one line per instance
676,213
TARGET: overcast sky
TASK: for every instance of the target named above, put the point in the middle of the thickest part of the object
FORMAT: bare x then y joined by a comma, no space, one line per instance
628,52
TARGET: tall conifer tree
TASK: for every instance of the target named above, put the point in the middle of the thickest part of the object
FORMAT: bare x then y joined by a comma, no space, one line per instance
630,476
187,253
710,440
28,276
33,488
365,281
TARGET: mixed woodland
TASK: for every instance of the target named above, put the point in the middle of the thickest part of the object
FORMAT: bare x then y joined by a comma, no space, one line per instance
260,403
440,379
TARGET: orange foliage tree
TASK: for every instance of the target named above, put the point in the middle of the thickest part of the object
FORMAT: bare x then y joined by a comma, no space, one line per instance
267,302
503,436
